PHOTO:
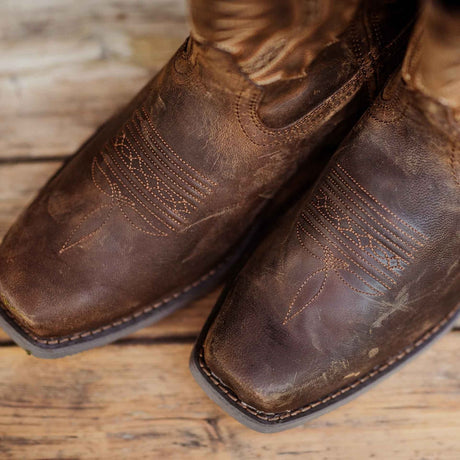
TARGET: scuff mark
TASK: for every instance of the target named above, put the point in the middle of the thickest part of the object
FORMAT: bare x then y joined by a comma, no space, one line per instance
373,352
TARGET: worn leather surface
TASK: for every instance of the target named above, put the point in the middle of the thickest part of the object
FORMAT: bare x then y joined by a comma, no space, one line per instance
158,196
362,268
437,36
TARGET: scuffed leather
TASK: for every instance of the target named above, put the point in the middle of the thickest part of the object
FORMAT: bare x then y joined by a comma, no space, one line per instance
433,64
165,189
359,271
271,40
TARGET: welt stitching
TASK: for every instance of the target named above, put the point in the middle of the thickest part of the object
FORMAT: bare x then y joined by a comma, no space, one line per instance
55,341
273,417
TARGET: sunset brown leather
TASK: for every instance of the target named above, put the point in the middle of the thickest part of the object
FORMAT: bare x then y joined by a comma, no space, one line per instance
365,269
154,201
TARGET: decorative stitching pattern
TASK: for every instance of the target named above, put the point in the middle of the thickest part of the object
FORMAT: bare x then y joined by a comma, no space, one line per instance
280,416
279,136
354,237
154,188
391,104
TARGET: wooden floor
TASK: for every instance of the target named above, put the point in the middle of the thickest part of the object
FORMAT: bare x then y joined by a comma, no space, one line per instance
65,66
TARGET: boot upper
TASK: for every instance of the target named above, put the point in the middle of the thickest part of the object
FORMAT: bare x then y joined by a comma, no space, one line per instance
361,272
155,200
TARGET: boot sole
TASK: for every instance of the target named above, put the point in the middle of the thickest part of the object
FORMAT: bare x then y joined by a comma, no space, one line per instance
270,422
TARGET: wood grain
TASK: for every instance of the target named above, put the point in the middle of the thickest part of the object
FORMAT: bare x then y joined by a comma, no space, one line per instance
65,67
140,401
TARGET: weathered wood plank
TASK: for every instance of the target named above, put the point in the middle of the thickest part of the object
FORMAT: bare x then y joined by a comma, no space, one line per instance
66,66
123,402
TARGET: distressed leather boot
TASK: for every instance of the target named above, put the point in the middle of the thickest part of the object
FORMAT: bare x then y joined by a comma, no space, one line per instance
363,273
156,207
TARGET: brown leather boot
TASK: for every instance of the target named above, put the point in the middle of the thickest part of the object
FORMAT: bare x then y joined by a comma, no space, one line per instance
157,206
364,273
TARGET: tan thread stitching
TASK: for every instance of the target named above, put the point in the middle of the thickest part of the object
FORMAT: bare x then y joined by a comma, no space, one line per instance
165,165
126,319
350,209
359,233
124,165
340,229
68,245
364,73
346,268
330,263
167,209
121,201
154,175
414,243
273,417
181,160
338,248
136,198
284,134
288,316
420,234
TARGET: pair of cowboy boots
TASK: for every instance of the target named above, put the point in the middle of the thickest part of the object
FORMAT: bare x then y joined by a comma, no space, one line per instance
159,206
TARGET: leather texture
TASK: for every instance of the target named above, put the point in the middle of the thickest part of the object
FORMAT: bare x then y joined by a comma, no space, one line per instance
155,200
363,268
